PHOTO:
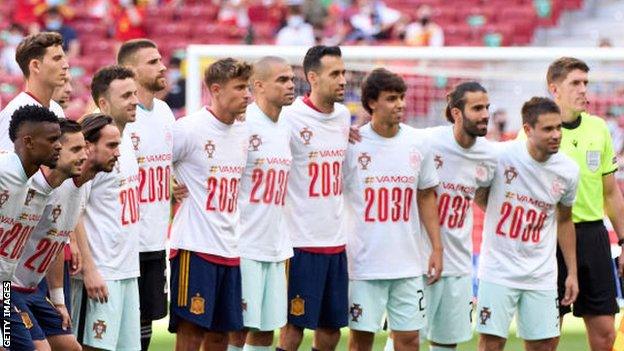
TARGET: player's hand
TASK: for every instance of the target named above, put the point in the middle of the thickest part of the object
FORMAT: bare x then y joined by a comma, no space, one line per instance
434,270
571,290
76,258
95,286
62,310
354,135
620,266
180,192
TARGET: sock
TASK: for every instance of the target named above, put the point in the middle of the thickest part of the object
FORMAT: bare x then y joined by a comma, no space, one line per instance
234,348
256,348
146,334
389,344
441,348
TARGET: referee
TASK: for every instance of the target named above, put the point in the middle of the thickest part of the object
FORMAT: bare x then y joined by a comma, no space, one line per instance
586,139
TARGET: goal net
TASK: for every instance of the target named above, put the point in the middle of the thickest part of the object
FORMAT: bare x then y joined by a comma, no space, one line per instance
510,74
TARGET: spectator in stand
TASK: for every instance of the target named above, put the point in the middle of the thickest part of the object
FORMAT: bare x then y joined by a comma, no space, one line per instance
297,31
234,13
424,32
11,37
176,96
54,22
374,20
128,15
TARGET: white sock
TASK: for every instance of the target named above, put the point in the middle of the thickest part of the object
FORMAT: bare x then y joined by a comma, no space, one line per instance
441,348
389,344
256,348
234,348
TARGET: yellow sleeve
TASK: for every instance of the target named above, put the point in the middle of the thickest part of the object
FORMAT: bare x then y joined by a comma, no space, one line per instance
609,160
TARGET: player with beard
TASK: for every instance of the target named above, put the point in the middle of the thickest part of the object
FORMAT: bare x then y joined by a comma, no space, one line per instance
107,312
45,68
50,324
318,280
152,143
35,132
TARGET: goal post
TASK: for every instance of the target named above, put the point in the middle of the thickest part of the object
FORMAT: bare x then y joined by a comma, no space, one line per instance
510,74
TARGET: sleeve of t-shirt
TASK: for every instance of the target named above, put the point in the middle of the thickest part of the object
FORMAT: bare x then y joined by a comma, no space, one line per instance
428,175
570,194
609,160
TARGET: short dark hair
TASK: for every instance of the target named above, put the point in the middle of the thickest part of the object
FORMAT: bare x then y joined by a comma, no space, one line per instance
457,97
92,125
130,47
312,59
69,126
34,47
379,80
561,67
105,76
54,10
224,70
537,106
29,114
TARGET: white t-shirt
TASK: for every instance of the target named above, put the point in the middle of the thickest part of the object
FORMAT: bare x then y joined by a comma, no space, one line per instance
22,99
382,178
461,172
23,203
314,203
209,157
50,235
263,190
112,215
152,144
520,231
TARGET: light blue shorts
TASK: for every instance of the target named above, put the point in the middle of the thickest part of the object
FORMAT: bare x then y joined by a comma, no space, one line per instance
264,294
449,310
114,325
537,311
403,300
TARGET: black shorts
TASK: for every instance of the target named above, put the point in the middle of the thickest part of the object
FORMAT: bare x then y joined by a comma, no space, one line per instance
153,285
596,275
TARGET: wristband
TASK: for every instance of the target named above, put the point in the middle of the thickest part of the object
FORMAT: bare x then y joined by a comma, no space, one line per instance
57,296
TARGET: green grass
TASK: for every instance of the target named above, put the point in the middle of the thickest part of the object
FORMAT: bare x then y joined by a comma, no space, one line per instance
573,338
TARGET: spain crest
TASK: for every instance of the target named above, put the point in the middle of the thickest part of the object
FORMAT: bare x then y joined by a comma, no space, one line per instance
297,306
198,305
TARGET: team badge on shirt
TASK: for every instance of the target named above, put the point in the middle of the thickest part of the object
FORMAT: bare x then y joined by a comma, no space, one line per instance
197,304
135,141
557,187
99,328
254,142
485,315
306,134
297,306
438,161
510,174
364,160
481,172
415,158
355,311
593,160
210,148
29,196
4,196
56,212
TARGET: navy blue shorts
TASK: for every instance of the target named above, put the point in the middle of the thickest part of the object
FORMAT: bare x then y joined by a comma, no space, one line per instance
205,294
20,322
45,319
318,292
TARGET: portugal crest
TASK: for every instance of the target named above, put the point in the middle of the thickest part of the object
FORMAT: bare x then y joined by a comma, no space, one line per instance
438,161
364,160
485,315
29,196
306,134
135,141
4,196
355,311
510,174
210,148
99,328
56,212
254,142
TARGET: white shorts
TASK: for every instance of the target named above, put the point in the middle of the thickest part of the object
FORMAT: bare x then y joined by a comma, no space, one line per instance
264,294
402,299
537,311
114,325
449,310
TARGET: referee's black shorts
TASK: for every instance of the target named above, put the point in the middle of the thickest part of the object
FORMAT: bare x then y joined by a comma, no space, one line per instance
597,295
153,285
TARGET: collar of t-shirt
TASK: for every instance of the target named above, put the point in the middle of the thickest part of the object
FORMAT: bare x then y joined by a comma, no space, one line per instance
34,97
215,121
308,101
574,124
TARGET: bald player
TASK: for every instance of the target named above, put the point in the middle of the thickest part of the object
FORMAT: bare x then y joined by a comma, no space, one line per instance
263,246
